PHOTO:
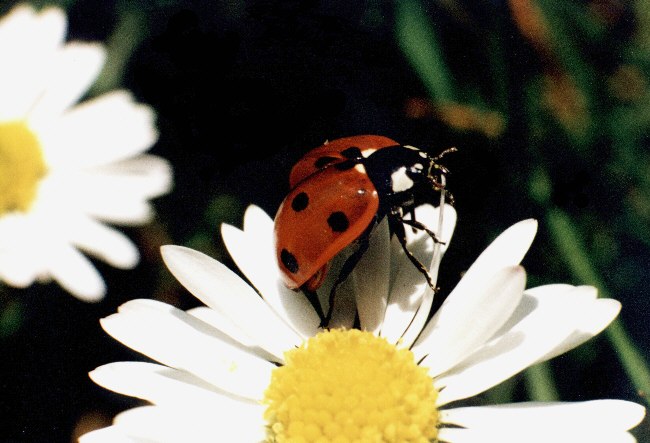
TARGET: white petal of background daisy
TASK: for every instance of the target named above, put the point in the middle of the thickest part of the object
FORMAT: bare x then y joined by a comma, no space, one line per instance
66,169
247,368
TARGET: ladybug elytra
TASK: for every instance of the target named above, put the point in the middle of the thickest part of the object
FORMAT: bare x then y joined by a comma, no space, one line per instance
339,192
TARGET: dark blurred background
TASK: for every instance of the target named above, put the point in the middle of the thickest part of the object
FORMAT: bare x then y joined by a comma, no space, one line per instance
547,103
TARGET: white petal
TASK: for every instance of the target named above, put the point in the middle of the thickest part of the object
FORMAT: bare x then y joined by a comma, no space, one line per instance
142,177
116,210
531,301
182,425
512,352
110,434
421,316
605,415
596,317
516,434
28,43
20,258
179,340
371,278
591,316
408,285
75,273
254,253
462,325
507,250
109,128
116,193
103,242
16,269
345,310
162,385
70,74
64,192
24,26
224,325
221,289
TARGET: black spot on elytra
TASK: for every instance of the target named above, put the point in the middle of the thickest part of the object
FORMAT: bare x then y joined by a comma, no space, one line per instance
338,221
324,161
352,152
289,261
300,202
344,166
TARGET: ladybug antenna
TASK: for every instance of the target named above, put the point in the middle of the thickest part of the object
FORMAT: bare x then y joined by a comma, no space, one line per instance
445,152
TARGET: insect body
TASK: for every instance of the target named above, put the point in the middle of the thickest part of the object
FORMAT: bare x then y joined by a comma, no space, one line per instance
339,192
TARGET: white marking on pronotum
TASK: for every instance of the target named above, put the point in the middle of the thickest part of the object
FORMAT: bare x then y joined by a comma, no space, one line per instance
411,147
359,167
399,181
418,166
366,152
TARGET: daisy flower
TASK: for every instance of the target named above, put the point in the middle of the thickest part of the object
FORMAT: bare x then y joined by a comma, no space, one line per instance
246,368
66,168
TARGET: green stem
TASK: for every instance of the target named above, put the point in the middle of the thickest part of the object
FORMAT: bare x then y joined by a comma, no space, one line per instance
568,242
540,384
417,38
122,43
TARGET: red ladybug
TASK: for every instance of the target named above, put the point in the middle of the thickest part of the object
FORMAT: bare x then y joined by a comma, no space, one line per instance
339,192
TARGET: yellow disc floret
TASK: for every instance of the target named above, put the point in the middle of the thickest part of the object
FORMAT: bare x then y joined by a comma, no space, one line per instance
21,167
350,386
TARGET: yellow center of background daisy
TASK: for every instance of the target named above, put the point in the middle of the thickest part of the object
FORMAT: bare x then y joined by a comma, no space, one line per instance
350,386
21,167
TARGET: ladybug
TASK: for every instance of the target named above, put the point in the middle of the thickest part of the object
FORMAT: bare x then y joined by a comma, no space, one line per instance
339,192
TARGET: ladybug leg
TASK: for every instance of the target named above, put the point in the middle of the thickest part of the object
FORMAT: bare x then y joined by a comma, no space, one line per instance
312,296
347,268
397,227
417,225
412,214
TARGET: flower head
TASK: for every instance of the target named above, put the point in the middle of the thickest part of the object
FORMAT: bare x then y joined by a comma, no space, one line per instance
66,168
248,368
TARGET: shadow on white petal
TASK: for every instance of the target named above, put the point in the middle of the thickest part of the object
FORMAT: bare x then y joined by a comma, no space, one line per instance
532,300
254,253
162,385
508,249
177,339
221,289
407,288
594,319
410,296
506,355
462,325
371,278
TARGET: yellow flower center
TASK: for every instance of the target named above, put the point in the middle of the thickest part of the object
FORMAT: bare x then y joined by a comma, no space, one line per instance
349,386
21,167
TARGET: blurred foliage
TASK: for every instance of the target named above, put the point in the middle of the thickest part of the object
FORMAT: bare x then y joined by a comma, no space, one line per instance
548,102
581,109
